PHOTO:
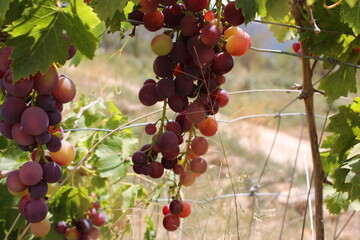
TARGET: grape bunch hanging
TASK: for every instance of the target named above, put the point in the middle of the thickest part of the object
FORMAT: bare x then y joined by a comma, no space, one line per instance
31,117
194,53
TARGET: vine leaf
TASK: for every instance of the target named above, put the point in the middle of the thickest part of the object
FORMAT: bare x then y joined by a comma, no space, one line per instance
276,9
249,9
69,201
339,83
106,9
112,153
351,2
4,7
38,41
337,202
346,124
351,16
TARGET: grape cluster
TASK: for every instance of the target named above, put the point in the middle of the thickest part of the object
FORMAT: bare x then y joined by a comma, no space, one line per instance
192,59
86,227
30,115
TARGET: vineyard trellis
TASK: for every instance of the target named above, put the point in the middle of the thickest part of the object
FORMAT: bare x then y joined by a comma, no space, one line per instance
338,81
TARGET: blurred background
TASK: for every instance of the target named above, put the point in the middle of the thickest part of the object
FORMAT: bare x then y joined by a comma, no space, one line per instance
265,160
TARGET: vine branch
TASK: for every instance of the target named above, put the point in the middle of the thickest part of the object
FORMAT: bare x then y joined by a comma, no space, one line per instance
308,91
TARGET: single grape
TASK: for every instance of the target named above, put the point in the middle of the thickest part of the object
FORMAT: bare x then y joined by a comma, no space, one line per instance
46,102
190,25
178,169
54,117
195,112
168,142
296,46
150,128
176,206
198,165
171,222
61,227
41,228
209,15
38,190
148,6
174,127
208,127
12,109
210,35
179,52
178,103
54,145
52,172
30,173
65,90
21,89
153,21
196,5
99,219
223,63
35,210
43,138
166,209
232,15
237,45
5,129
168,164
72,234
186,210
161,45
173,15
5,60
199,145
148,95
14,183
187,178
65,155
84,225
139,158
157,170
165,88
183,85
35,121
163,66
20,136
47,83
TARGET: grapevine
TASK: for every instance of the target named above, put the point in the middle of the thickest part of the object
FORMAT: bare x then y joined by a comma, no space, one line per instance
200,47
196,43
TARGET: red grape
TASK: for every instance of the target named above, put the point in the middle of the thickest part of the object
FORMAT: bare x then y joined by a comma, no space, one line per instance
171,222
30,173
232,15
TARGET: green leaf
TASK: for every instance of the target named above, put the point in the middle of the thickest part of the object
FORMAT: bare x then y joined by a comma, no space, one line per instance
351,16
283,34
4,7
106,9
249,9
337,202
277,9
339,83
150,233
69,202
354,151
351,2
38,41
111,162
346,124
